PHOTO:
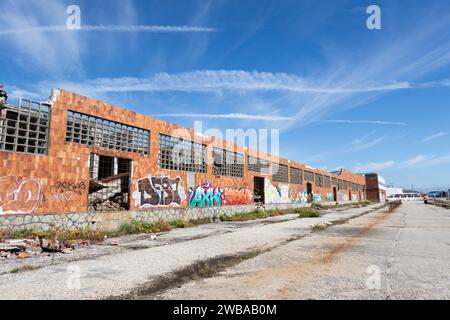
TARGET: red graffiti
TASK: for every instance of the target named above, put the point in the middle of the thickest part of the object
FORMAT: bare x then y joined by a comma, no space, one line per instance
237,196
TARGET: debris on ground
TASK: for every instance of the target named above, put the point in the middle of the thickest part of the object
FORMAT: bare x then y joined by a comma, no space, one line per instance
26,248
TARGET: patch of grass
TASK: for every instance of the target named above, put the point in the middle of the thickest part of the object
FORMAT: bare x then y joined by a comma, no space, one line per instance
255,214
307,212
149,227
22,269
340,221
318,227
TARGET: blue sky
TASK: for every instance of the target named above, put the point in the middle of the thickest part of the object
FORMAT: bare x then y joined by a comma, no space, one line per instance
341,94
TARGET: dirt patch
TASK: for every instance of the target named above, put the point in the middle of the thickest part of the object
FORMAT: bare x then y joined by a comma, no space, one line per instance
199,270
329,256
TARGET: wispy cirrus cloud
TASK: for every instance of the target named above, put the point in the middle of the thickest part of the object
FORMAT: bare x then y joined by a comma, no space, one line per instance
238,116
419,161
226,80
374,166
375,122
434,137
110,28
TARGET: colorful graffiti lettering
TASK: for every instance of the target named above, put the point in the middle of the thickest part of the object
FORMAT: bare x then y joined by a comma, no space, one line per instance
19,195
206,195
237,196
299,196
317,197
159,191
330,197
272,194
342,197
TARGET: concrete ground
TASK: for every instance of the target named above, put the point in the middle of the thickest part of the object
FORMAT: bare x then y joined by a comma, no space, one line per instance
374,255
132,264
399,255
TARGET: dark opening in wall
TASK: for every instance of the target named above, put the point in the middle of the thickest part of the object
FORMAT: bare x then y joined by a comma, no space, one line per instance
109,187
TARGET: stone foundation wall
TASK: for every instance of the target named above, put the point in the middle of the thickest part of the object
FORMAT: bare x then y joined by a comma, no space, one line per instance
110,221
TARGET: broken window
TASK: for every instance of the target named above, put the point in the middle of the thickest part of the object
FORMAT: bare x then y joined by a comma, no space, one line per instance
280,172
258,165
25,128
181,155
228,163
98,132
109,187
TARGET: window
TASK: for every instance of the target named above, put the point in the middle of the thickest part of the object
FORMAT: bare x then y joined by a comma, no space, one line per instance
334,181
98,132
228,163
25,128
309,176
280,172
344,185
181,155
258,165
296,175
327,182
319,180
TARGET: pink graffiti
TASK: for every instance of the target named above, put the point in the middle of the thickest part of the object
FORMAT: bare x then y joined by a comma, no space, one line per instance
19,195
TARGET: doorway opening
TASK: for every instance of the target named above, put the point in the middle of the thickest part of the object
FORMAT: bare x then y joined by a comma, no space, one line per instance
258,189
109,187
309,191
350,195
335,194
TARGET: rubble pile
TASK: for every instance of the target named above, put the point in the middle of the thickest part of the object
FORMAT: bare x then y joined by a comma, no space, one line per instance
26,248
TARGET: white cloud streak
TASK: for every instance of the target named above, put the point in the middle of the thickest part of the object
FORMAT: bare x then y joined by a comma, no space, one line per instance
434,137
419,161
375,122
109,28
223,80
240,116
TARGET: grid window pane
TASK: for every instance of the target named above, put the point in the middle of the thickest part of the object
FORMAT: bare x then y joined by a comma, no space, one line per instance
98,132
181,155
296,175
280,172
319,180
25,128
327,181
309,176
258,165
228,163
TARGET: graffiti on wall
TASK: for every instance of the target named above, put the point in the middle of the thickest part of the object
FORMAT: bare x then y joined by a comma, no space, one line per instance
299,195
279,194
234,196
330,197
317,197
159,191
19,195
66,189
355,197
206,195
342,197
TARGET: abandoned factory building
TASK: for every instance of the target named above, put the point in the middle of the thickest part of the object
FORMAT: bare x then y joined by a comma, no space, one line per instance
76,154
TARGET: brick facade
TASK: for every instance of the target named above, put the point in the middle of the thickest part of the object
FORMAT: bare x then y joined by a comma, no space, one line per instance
60,181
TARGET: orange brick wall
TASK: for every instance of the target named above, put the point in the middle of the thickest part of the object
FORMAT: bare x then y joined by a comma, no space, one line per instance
35,180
